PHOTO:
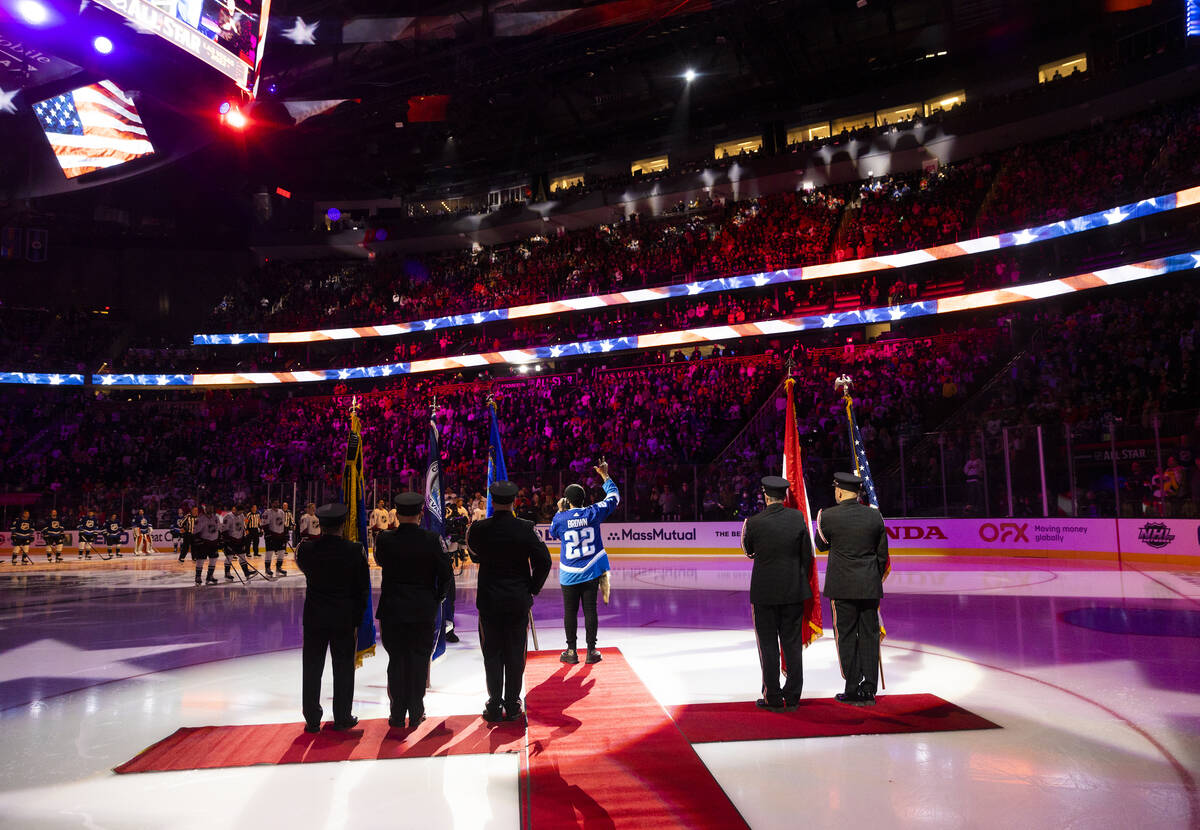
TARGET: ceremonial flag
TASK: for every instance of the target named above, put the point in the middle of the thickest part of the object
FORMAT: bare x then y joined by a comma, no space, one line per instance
497,469
93,128
797,497
862,469
433,520
355,529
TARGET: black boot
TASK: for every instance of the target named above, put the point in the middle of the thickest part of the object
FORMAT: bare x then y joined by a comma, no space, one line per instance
246,570
210,579
229,573
199,580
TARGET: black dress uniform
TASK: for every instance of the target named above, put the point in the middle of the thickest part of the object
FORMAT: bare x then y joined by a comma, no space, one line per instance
513,565
416,577
338,583
854,535
778,541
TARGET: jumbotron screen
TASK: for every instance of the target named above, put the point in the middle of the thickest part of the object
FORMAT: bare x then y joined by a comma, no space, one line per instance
228,35
93,128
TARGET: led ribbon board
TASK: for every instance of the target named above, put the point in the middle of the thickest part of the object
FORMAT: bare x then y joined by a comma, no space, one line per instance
713,334
1066,227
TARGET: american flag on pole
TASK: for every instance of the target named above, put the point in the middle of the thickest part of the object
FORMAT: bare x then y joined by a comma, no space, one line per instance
93,128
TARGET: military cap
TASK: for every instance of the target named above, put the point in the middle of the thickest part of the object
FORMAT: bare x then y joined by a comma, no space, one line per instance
332,514
503,492
775,486
847,481
409,504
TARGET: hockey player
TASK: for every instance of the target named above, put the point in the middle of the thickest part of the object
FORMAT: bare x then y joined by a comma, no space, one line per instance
142,534
233,534
22,538
112,535
275,522
54,532
89,530
208,533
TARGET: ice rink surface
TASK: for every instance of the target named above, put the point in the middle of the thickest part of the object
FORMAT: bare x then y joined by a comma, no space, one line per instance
1092,671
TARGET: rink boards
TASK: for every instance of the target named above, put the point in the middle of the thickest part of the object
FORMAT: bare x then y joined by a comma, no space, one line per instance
1149,540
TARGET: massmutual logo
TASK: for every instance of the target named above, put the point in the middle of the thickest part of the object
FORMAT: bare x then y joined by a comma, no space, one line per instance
1156,535
657,534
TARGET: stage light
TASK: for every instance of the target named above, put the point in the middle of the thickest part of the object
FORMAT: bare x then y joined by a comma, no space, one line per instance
103,45
689,75
236,119
224,108
333,214
380,235
33,12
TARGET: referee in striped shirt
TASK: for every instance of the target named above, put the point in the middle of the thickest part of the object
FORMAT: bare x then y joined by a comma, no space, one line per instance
188,531
254,528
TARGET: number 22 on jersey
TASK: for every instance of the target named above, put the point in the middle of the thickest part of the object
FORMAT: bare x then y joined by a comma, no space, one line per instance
579,543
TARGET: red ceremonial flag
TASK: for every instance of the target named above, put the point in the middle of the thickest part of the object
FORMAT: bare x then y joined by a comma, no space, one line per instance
797,497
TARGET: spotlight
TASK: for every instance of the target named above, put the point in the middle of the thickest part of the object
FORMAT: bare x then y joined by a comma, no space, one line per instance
689,75
33,12
236,119
380,235
334,214
224,108
272,89
103,45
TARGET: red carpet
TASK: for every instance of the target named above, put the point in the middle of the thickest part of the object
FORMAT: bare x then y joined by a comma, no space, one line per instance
603,753
823,718
210,747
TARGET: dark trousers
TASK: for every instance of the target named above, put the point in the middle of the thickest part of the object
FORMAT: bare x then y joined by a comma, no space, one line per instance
780,628
448,605
254,534
502,640
856,622
340,643
584,592
409,646
186,545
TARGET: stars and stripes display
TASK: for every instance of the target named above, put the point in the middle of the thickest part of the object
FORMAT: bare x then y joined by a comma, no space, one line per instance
93,128
1066,227
1121,274
862,468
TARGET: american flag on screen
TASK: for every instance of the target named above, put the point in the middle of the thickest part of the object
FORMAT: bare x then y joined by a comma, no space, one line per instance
93,128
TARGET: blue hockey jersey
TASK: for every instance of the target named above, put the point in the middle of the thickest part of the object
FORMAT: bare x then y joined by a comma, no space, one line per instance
582,557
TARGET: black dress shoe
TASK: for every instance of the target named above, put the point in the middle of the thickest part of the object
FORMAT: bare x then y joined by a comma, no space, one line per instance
791,704
570,656
770,704
513,713
493,714
342,726
396,722
312,728
451,637
416,720
854,699
593,656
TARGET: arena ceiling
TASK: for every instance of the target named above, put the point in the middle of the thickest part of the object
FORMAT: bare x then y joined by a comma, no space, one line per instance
531,85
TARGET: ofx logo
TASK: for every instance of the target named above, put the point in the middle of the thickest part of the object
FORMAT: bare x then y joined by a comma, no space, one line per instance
1005,532
1156,535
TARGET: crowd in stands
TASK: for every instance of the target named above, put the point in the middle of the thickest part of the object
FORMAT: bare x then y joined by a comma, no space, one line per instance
1088,170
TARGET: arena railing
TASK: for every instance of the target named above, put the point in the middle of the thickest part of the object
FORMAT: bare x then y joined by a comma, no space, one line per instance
1132,272
1067,227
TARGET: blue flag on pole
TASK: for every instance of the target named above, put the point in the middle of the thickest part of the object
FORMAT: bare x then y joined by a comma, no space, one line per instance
861,467
433,520
354,497
497,469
